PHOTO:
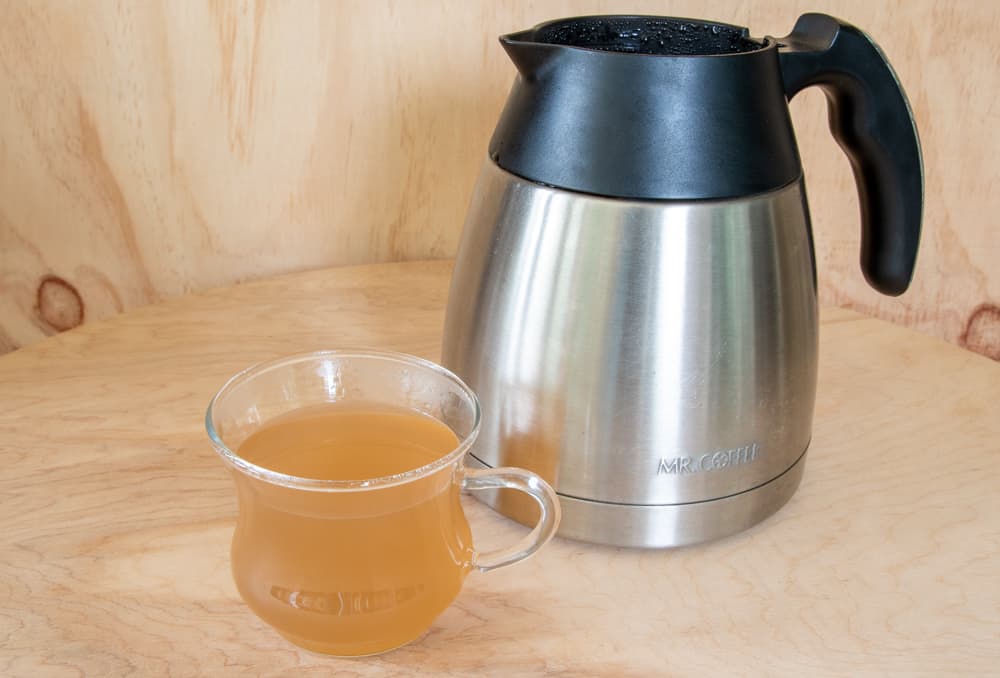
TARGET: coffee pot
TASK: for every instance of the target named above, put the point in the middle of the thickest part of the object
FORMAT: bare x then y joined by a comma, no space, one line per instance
635,298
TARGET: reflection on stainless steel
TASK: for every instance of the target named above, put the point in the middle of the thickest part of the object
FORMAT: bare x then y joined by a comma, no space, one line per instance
642,356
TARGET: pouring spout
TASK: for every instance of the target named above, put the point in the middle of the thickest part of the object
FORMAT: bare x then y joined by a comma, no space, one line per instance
529,55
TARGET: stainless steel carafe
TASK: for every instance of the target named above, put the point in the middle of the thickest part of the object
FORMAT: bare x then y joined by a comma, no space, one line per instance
634,298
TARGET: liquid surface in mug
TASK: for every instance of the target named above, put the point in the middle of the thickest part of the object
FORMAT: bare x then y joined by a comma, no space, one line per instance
357,572
348,442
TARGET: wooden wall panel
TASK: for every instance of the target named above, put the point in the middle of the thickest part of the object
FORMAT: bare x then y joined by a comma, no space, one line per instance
152,148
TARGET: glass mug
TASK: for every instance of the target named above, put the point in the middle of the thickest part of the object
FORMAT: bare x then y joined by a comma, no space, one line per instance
357,567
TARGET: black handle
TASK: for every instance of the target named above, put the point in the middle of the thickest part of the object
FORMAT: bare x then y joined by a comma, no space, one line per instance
871,120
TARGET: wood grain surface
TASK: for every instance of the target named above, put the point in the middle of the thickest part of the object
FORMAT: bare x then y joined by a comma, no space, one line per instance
153,148
117,514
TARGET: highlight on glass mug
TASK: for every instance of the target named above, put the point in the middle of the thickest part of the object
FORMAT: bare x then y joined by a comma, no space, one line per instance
348,466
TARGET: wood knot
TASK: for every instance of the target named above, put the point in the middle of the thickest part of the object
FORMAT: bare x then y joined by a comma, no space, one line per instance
982,331
58,303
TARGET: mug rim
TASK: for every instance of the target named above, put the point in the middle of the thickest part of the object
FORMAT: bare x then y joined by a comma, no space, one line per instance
235,461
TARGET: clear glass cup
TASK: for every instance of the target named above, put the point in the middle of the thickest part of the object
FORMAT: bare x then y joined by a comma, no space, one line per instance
357,567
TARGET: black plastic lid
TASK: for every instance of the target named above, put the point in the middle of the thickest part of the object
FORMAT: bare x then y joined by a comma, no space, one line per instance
646,108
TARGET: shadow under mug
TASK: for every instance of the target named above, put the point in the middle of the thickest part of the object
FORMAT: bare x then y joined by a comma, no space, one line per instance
357,567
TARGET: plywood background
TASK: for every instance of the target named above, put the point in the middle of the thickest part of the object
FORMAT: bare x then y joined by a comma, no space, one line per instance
153,148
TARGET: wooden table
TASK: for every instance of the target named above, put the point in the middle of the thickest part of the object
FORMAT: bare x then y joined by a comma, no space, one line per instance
116,514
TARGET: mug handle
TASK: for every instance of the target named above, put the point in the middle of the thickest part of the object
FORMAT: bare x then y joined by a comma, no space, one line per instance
532,485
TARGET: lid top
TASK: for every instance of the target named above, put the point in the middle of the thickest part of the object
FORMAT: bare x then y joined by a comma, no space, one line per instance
652,35
646,108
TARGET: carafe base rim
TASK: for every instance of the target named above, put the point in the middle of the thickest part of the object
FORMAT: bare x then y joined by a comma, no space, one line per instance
666,525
